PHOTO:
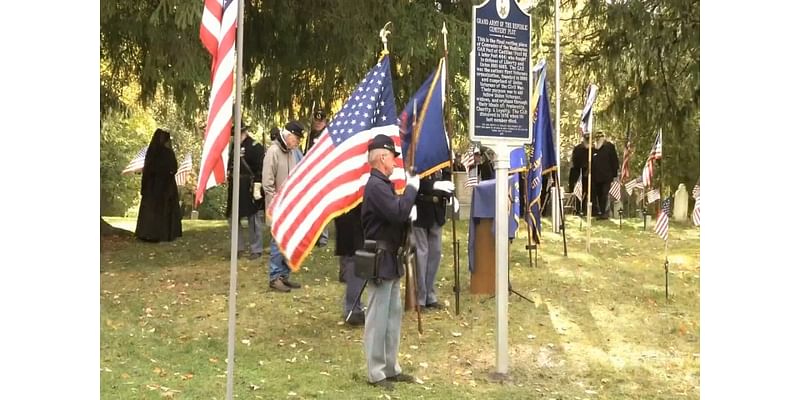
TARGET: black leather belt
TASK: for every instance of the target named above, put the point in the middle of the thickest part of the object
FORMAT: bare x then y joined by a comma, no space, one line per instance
431,199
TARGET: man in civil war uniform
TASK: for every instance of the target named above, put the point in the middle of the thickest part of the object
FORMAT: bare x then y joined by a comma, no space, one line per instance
384,214
251,195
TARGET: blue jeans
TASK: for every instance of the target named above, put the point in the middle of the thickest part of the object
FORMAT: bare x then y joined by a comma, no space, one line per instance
277,263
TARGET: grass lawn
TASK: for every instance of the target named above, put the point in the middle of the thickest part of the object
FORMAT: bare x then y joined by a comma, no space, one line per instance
600,327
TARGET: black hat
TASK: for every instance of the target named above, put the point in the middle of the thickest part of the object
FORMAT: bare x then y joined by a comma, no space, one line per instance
274,133
383,142
295,128
600,133
319,114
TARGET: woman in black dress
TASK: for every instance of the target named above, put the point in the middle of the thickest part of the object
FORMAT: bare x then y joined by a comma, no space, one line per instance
159,212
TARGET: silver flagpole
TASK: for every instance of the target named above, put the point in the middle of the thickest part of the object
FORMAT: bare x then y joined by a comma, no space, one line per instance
556,213
237,140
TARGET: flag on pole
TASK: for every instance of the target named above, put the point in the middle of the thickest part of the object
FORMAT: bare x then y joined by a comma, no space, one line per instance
432,152
626,157
696,190
586,115
543,158
616,190
184,170
696,212
330,179
468,160
662,223
653,195
218,34
577,191
137,163
635,183
650,164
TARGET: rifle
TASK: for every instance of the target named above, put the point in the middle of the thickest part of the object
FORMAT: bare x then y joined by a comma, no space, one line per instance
408,253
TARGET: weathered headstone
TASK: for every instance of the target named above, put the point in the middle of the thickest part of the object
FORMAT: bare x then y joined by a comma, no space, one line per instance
681,205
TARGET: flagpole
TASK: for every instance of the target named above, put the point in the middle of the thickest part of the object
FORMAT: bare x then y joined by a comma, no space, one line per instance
666,268
456,260
589,192
235,200
661,172
558,119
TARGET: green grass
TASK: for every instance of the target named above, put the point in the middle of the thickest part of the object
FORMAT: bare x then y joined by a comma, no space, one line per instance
600,327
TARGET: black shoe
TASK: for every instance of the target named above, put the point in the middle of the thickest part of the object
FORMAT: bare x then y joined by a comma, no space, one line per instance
254,256
341,274
435,305
289,283
356,319
401,377
383,384
278,285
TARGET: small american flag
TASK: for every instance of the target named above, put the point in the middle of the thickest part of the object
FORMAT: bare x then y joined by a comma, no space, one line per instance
137,163
616,190
626,157
696,191
696,212
472,178
578,190
184,170
653,195
634,184
662,223
650,164
468,158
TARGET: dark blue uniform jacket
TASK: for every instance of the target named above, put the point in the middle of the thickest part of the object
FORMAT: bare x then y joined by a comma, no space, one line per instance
384,215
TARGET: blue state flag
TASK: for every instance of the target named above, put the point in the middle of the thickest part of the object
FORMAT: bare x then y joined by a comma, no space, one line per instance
422,122
543,158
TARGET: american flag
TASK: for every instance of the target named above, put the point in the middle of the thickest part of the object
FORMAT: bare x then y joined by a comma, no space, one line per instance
696,212
468,160
626,157
649,166
634,184
137,163
578,189
653,195
330,179
696,191
616,190
184,170
218,34
662,223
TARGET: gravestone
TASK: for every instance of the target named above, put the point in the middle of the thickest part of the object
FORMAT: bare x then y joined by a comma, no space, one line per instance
681,205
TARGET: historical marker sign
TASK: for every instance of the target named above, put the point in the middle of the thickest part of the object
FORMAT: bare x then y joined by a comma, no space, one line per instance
500,73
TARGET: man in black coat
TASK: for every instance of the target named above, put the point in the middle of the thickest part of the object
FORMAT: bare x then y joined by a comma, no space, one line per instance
605,165
349,238
580,169
251,196
435,191
384,214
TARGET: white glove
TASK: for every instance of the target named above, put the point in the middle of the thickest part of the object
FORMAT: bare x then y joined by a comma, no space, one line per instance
454,200
445,186
413,214
413,181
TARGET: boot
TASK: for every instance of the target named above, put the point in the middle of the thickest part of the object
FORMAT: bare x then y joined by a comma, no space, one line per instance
289,283
278,285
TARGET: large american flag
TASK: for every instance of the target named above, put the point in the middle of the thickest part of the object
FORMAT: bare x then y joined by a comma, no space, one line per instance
626,157
218,34
616,190
137,163
650,164
184,170
662,223
330,179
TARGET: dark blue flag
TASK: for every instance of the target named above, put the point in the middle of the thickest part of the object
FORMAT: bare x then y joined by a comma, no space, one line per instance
423,118
543,159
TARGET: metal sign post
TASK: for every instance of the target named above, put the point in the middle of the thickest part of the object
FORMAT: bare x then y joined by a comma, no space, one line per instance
500,117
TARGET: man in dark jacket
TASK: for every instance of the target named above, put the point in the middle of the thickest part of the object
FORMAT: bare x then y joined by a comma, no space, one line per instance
251,196
349,238
580,170
384,214
435,191
605,165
